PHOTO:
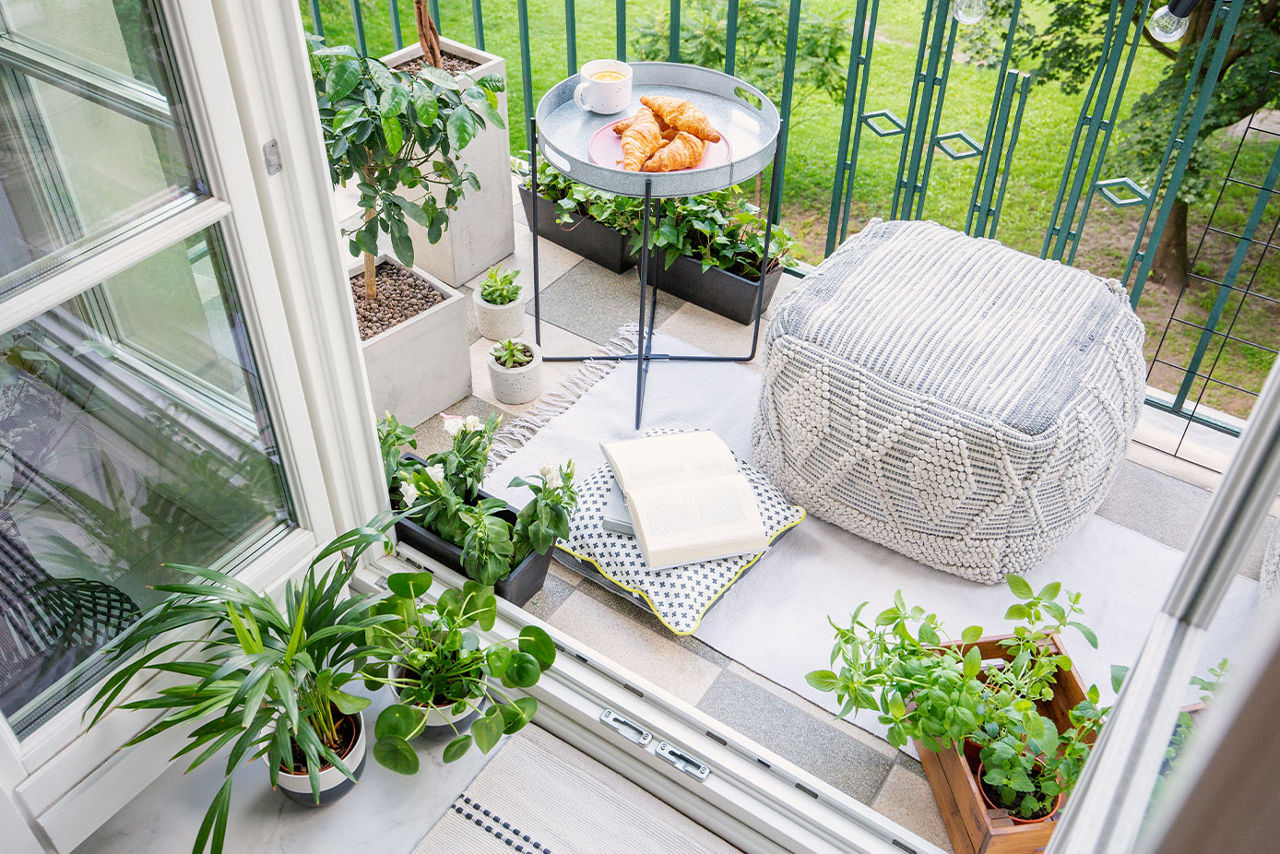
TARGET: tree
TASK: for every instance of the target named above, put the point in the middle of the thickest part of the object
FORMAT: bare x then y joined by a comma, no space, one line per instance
1069,48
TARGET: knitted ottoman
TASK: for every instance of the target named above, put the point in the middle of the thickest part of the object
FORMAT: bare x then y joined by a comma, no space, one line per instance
952,399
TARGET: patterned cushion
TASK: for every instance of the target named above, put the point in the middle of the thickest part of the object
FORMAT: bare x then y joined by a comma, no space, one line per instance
681,595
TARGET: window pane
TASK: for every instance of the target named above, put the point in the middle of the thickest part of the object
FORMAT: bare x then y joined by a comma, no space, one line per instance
132,433
84,153
117,37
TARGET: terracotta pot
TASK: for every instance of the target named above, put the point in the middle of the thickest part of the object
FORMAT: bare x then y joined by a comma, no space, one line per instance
982,790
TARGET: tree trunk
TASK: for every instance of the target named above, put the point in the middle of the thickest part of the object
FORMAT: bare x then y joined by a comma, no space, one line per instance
428,35
1170,264
370,263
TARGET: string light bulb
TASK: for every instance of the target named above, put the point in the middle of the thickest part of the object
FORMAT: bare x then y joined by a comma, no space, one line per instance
969,12
1169,23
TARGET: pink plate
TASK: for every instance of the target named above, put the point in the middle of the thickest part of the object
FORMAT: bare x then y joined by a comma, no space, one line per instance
605,149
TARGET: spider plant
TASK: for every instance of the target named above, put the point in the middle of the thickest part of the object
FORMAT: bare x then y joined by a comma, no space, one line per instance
261,678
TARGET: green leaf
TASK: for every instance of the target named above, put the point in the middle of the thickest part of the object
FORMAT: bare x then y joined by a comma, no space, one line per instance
396,721
1118,674
349,704
409,585
523,671
971,634
456,749
342,78
1016,612
823,680
1087,632
538,643
461,129
402,245
348,116
499,659
392,133
1020,587
972,662
428,109
392,101
1050,590
396,754
487,730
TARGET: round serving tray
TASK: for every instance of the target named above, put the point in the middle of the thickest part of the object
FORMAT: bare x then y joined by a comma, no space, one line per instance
739,111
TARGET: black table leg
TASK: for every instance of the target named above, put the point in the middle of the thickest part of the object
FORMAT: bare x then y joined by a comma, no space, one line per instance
644,343
533,229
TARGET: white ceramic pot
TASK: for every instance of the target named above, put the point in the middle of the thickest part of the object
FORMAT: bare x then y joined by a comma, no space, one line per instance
499,322
422,366
333,783
517,385
481,231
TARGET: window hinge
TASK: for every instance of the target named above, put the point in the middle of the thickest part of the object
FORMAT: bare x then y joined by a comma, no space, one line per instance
683,761
271,154
627,729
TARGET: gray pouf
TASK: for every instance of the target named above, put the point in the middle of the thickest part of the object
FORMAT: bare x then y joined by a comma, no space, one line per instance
957,401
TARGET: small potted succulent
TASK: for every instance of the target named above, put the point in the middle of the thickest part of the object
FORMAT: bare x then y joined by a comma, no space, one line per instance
1002,723
447,516
269,680
515,370
447,683
499,309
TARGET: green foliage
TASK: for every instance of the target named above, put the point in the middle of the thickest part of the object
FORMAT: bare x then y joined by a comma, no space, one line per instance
392,436
499,287
942,694
428,655
394,132
442,495
261,679
511,353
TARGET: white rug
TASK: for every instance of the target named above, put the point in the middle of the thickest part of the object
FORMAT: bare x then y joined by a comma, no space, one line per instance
774,620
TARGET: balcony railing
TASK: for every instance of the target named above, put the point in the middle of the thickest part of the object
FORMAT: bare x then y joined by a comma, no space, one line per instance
1191,353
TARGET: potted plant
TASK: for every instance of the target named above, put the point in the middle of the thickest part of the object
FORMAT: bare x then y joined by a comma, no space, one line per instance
445,682
481,230
269,681
447,516
589,222
396,134
515,369
1002,723
499,309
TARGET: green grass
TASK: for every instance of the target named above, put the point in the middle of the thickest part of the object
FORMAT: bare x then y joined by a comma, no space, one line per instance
1036,171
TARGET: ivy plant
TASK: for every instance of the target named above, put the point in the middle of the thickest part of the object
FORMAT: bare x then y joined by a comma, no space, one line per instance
398,135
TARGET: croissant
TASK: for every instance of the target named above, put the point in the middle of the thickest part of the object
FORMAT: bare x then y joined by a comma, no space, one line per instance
620,126
640,140
683,152
681,115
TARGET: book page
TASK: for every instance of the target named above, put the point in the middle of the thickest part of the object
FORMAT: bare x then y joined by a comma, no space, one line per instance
659,460
689,522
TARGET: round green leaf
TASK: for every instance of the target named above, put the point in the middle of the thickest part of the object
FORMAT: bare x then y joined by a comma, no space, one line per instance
487,731
396,754
523,672
499,659
409,585
396,721
538,643
456,749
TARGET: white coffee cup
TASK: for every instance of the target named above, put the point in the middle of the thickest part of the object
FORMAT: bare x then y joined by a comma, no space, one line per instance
605,86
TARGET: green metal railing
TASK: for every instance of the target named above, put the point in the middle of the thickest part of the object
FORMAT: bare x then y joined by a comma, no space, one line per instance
919,132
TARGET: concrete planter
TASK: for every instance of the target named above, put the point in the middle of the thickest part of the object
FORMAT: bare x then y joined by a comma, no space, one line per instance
499,322
481,231
517,385
422,366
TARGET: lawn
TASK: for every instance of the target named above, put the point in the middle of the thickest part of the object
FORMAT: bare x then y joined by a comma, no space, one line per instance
815,126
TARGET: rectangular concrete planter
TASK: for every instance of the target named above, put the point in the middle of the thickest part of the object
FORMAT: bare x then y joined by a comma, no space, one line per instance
716,290
581,235
974,827
481,231
422,366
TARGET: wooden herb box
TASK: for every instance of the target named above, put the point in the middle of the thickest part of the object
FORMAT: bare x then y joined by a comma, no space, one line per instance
973,826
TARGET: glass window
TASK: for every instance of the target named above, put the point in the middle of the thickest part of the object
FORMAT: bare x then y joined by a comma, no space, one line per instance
84,151
132,434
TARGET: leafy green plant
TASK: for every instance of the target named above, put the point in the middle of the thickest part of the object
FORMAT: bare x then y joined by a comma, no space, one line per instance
511,353
268,681
392,436
499,287
394,131
430,658
940,693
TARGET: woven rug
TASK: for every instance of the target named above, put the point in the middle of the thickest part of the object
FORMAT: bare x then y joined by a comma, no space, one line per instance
539,795
774,620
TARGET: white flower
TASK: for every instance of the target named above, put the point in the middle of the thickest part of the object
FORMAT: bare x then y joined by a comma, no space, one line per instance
452,424
547,470
409,493
436,473
473,423
554,481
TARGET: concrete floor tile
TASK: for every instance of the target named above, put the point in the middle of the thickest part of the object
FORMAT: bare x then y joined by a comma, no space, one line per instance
907,799
562,572
713,333
631,646
786,285
554,341
828,753
593,302
553,594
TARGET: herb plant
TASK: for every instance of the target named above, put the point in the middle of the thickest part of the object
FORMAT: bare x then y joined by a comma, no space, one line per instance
499,287
393,132
269,681
429,656
511,353
939,693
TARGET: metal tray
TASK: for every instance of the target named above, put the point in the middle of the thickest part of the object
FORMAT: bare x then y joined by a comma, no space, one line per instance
738,110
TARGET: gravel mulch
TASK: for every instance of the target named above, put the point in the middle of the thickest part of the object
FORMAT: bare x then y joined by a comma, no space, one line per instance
401,296
452,64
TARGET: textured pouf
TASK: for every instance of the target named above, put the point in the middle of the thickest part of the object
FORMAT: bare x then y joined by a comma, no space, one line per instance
957,401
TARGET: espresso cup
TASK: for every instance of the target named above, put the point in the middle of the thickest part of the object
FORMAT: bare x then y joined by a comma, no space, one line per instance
605,86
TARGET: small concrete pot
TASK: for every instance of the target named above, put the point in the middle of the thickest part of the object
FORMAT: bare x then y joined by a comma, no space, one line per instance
333,783
499,322
517,385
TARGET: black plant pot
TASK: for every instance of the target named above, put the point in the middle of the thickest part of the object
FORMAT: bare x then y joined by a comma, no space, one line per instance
518,587
581,235
717,290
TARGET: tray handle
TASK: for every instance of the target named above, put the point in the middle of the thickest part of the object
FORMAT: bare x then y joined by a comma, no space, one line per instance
748,97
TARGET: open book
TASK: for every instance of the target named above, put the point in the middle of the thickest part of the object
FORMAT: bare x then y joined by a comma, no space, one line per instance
687,501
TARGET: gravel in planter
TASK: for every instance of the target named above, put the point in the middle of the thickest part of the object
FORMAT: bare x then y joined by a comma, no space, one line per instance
452,64
401,296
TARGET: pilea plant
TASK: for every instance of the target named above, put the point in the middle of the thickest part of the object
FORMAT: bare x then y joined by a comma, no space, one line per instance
429,656
395,132
941,694
511,353
499,286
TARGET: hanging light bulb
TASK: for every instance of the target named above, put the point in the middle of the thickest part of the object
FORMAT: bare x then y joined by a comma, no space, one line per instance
969,12
1169,23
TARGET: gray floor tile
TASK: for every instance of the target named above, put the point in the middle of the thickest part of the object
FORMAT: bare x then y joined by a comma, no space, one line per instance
819,748
552,595
592,302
